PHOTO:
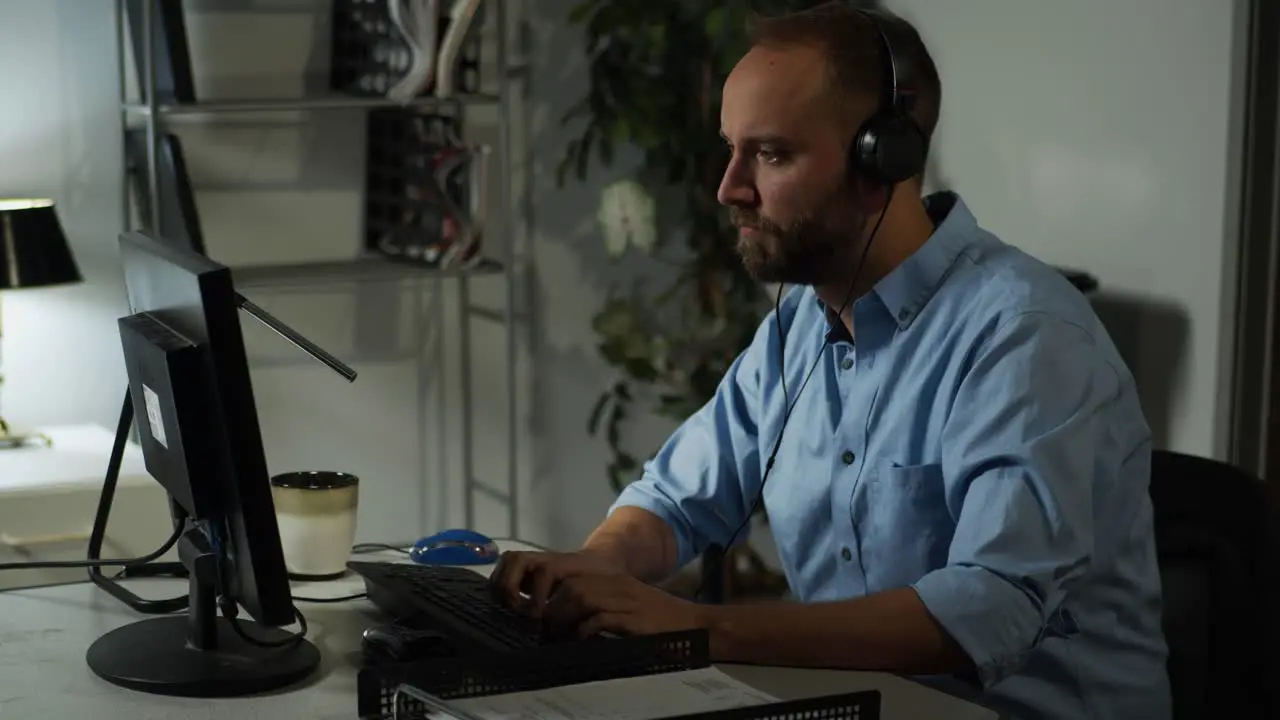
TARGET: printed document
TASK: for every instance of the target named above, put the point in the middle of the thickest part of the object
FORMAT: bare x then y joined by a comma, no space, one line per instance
640,698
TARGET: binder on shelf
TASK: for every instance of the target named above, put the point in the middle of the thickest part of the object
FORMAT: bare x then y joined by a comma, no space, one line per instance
179,215
398,692
174,81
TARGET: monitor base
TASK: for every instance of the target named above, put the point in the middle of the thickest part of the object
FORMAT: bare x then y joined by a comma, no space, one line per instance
155,656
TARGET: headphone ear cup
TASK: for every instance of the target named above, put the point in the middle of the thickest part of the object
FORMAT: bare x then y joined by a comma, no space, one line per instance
888,149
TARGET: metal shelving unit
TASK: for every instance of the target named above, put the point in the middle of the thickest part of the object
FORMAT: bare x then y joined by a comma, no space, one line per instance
363,267
329,102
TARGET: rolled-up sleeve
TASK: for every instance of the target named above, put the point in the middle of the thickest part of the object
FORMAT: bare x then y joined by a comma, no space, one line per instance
1024,442
694,482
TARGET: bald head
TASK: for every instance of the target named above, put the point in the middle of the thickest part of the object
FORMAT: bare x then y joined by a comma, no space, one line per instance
793,86
794,74
850,44
780,99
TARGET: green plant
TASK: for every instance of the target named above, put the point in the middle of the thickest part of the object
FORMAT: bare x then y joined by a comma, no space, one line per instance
656,69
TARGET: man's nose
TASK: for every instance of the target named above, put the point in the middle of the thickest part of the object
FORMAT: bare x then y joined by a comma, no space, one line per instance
735,186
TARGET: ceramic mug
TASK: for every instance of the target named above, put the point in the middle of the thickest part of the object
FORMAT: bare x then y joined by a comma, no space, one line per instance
316,514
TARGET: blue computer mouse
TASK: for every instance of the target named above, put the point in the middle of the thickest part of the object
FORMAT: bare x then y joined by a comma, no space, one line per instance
455,547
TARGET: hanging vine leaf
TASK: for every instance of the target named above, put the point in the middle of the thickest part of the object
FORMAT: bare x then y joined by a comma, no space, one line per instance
621,470
655,72
597,412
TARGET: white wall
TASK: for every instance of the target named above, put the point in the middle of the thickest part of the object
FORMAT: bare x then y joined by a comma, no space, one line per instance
58,138
1103,136
1103,147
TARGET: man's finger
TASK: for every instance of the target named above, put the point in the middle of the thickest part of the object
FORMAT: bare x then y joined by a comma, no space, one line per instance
561,613
514,567
571,601
542,583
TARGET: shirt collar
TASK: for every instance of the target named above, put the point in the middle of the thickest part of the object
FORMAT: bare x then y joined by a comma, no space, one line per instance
909,287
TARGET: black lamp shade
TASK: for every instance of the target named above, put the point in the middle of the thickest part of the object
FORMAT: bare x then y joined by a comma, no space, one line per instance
33,250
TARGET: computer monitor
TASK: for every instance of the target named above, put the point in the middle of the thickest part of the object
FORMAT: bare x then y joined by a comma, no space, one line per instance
191,392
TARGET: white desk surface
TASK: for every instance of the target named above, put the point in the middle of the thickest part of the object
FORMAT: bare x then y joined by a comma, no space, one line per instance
44,633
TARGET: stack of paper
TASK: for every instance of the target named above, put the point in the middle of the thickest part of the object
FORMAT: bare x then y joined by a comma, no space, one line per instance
647,697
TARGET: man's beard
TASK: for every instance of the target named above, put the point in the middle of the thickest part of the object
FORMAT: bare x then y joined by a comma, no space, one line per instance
805,251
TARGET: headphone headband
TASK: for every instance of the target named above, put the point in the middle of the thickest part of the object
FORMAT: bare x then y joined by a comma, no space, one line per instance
889,81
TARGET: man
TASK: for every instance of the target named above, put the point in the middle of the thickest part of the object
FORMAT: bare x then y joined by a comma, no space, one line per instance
961,489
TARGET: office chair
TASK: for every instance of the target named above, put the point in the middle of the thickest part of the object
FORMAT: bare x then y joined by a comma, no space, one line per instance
1218,541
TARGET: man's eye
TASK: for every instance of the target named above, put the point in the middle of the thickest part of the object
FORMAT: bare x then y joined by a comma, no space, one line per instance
770,157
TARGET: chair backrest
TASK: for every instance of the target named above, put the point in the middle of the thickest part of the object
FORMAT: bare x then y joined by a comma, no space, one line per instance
1218,539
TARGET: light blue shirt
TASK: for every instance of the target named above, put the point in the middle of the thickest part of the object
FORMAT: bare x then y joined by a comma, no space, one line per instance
981,443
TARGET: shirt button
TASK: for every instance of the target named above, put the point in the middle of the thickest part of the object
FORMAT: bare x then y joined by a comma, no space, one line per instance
846,363
846,554
847,457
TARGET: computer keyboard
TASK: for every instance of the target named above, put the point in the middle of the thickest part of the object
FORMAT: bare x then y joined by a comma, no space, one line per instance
456,601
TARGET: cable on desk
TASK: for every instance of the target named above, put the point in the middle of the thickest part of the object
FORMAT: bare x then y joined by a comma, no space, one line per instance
406,547
231,612
344,598
358,549
367,548
105,562
363,548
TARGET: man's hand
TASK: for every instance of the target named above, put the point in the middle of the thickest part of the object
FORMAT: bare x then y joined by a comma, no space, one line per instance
536,575
586,605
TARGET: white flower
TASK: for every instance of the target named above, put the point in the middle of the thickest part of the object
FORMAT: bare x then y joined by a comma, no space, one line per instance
627,217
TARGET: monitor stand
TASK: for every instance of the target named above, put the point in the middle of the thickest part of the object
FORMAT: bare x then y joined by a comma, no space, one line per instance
97,536
200,654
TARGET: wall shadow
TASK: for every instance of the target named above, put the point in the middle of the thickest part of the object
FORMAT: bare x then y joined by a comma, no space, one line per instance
1152,337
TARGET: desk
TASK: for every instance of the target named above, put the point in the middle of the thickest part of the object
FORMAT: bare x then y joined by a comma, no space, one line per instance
44,633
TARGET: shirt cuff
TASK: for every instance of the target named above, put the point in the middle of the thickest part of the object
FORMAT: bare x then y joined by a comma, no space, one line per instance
993,621
644,495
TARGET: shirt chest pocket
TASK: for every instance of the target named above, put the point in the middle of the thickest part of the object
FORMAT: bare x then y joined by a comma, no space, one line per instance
905,527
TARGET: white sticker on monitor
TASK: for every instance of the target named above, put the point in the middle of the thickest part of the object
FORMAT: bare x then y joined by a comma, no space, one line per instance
154,419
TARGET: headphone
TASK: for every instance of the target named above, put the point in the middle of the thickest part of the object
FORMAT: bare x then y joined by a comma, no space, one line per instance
888,148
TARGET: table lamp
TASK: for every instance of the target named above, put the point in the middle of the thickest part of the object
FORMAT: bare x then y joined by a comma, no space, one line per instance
33,253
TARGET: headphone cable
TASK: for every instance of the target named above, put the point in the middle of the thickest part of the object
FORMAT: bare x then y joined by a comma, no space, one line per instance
782,371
